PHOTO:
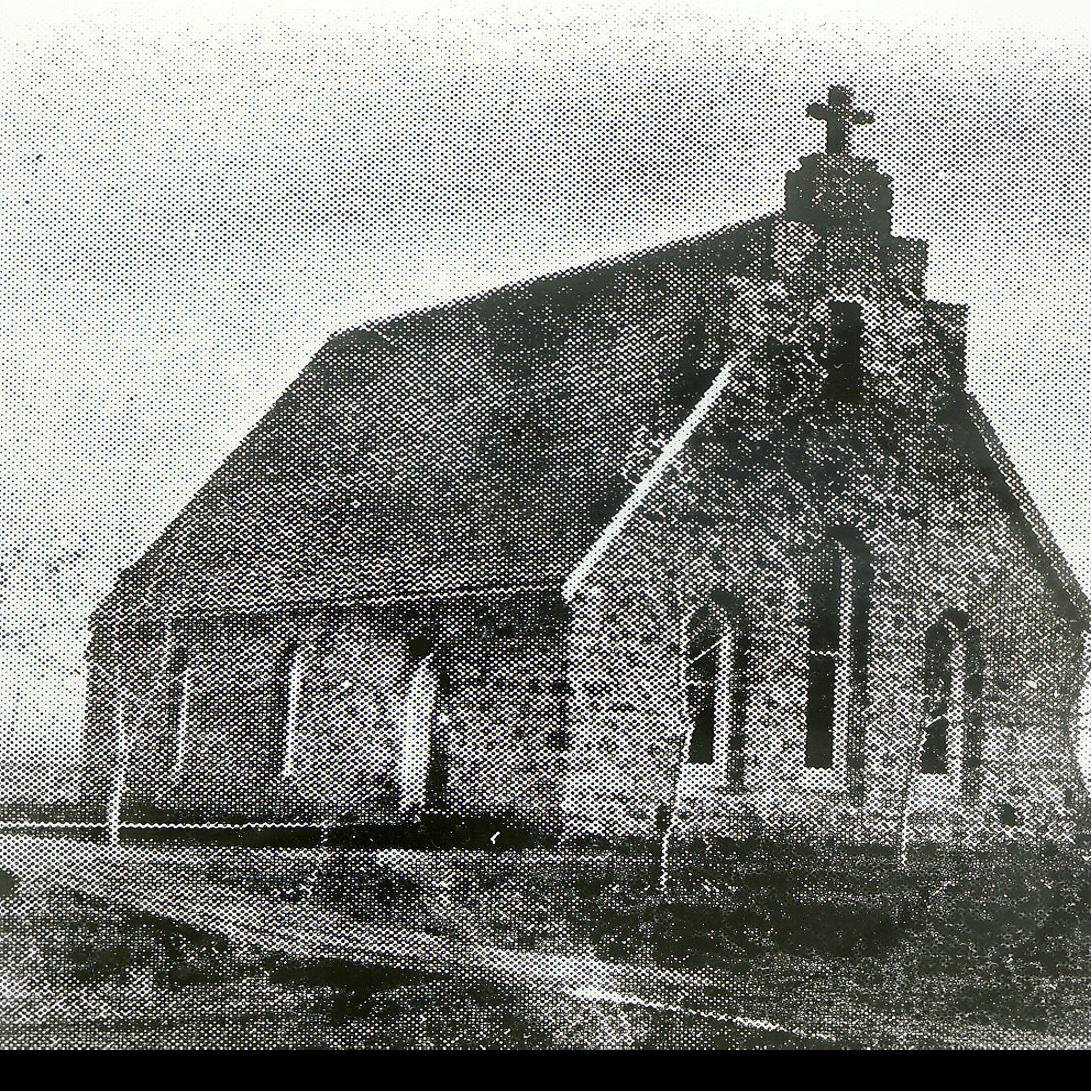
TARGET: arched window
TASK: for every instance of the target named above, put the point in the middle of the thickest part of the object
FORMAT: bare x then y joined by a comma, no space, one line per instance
839,605
178,689
951,741
716,688
287,684
421,772
939,678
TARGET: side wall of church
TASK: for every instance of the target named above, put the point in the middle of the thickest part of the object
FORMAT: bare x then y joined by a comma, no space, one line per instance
499,727
543,712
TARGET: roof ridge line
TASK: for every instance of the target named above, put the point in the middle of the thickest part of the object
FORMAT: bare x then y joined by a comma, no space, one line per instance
1013,480
375,326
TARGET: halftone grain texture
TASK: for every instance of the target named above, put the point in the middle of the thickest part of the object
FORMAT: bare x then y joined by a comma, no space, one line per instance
613,644
540,492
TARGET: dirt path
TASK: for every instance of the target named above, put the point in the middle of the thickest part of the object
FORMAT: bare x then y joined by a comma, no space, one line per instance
152,880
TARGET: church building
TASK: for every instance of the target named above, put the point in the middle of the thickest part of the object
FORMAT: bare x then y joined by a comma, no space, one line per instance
716,528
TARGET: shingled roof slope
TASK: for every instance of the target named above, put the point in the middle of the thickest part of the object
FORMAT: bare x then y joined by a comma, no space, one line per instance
478,445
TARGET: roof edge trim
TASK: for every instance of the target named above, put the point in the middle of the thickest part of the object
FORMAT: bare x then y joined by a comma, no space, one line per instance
652,476
102,620
1051,554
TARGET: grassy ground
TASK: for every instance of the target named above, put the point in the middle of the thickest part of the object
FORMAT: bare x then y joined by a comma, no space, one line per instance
1004,939
76,974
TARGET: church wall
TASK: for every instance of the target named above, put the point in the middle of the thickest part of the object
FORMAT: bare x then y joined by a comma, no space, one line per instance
119,660
543,712
505,718
499,728
745,513
626,717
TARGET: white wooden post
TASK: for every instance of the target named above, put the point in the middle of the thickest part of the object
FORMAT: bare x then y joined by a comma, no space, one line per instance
685,743
120,772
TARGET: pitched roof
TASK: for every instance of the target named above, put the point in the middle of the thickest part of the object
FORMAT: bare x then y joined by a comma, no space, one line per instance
486,444
993,460
478,445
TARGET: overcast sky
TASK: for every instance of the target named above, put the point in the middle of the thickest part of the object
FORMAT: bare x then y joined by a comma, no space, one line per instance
190,204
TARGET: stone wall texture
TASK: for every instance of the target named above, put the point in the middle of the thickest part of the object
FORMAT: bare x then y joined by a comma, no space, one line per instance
499,733
745,510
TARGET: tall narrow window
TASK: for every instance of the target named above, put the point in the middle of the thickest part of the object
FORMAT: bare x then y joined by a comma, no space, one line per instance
844,352
421,770
287,684
716,688
702,672
953,680
938,681
839,644
178,690
824,657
